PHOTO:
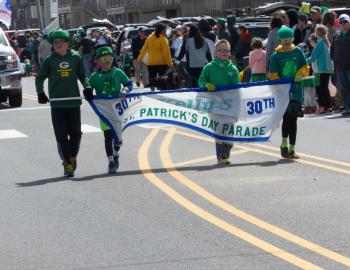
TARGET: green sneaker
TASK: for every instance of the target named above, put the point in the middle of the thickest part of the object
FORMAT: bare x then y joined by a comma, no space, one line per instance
68,170
73,161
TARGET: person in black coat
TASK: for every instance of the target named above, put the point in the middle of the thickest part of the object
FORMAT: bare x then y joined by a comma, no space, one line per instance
293,23
136,46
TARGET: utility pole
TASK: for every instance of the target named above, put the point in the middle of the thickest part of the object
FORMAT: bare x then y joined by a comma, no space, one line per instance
38,6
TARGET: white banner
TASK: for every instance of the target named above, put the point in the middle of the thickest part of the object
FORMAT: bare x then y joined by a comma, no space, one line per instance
246,112
5,12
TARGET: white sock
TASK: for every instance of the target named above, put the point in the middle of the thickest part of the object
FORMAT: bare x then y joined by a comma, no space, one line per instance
115,153
110,159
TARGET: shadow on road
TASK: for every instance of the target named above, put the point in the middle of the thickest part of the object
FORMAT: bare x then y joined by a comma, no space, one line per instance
157,170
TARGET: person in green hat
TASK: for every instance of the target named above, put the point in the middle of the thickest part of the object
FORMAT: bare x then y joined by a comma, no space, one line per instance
223,33
63,68
109,80
289,62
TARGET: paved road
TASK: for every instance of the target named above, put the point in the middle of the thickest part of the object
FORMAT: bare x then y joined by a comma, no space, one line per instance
170,206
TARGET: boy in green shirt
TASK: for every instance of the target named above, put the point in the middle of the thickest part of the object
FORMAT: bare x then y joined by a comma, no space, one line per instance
63,68
219,72
108,81
289,62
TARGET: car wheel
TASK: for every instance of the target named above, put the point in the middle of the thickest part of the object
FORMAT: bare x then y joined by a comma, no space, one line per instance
15,100
3,97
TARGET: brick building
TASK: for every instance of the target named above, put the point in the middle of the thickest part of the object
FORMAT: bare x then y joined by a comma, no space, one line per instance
73,13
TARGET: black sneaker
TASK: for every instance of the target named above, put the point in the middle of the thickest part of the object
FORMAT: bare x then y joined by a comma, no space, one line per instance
284,152
138,84
116,162
111,167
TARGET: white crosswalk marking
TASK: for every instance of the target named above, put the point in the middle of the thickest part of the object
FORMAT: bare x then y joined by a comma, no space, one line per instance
11,134
89,129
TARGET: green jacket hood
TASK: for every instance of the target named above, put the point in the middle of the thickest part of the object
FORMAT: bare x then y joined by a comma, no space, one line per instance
221,64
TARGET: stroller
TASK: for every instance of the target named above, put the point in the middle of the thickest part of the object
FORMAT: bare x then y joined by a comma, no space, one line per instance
170,80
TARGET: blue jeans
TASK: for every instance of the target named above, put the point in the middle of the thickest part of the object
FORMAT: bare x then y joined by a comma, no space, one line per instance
344,79
87,64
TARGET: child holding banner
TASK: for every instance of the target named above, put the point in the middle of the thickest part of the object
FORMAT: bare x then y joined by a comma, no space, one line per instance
288,61
108,81
63,68
219,72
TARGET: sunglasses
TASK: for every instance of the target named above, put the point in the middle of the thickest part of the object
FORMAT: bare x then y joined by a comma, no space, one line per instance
221,50
343,22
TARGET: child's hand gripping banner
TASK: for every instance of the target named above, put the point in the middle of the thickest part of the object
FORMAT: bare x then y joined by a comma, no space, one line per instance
246,112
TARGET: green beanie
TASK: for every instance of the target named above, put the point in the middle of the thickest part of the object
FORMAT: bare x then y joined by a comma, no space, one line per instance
80,30
59,33
221,21
324,9
105,50
285,32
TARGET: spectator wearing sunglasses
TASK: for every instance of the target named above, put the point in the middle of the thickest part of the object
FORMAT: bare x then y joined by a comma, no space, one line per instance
341,58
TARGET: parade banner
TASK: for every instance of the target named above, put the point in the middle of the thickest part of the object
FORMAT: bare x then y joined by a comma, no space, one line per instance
246,112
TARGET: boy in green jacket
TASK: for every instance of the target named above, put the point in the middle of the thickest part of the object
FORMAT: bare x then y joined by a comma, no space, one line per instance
63,68
219,72
108,81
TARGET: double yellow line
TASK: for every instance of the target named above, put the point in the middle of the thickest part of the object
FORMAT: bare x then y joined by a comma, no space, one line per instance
220,223
30,97
315,160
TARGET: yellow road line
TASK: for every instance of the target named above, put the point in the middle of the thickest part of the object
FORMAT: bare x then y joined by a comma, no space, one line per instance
30,97
167,162
303,161
257,242
323,166
198,160
341,163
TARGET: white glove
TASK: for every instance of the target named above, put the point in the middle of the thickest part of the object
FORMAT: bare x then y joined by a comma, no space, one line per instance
123,92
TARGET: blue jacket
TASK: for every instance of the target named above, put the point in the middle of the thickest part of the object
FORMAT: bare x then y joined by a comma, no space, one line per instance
321,54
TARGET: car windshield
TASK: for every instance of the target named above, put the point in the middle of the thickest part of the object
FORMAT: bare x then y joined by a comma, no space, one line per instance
133,33
261,32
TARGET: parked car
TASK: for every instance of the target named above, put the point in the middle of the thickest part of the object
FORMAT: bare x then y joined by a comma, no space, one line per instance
127,34
10,74
183,20
340,11
167,22
258,30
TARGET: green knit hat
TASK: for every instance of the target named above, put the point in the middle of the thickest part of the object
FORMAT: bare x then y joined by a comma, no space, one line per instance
105,50
59,33
221,21
80,30
285,32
